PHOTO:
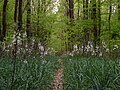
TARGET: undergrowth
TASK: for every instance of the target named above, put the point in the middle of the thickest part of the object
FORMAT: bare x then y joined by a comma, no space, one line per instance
83,73
32,73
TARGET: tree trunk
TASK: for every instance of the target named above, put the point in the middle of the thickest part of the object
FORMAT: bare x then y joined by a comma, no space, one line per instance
16,28
94,18
109,18
0,26
16,11
71,10
99,21
85,17
109,25
28,21
119,11
20,16
71,17
4,24
38,16
78,11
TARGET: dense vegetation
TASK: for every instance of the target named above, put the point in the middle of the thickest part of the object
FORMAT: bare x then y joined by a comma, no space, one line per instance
91,74
33,73
40,39
89,26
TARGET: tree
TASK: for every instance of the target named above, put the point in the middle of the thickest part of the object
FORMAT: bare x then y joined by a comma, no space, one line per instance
70,15
99,21
109,24
20,16
0,26
4,24
16,11
28,21
94,18
85,17
71,10
119,11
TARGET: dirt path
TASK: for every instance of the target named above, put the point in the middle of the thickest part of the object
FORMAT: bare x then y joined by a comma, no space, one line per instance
58,78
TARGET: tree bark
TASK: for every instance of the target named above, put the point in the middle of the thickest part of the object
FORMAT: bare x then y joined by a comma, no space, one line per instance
20,16
71,10
71,22
109,24
99,21
78,11
38,16
94,18
85,17
119,11
0,26
16,28
109,18
4,23
28,21
16,11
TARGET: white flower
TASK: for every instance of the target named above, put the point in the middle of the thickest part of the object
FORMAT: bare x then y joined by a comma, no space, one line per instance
75,47
116,46
82,47
71,54
46,52
41,48
18,41
25,61
44,61
107,50
93,53
100,54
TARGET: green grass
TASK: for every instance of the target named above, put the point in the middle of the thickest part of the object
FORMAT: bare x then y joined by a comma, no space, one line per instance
91,74
33,75
80,73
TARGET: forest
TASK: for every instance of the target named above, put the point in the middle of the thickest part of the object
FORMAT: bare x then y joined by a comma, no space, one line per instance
59,44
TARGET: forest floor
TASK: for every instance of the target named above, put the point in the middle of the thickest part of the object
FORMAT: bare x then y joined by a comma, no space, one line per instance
58,77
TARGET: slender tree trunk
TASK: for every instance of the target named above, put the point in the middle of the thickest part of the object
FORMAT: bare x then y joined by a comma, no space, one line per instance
78,12
20,16
118,20
85,17
94,18
71,10
16,28
84,9
0,26
109,25
38,27
38,16
16,11
71,17
119,11
86,30
99,20
109,18
28,21
15,45
4,24
87,2
84,37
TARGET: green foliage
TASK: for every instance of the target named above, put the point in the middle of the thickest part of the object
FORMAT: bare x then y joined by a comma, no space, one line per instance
91,74
31,73
55,29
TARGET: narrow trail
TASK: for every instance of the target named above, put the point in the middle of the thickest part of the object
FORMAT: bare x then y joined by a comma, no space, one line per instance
58,78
